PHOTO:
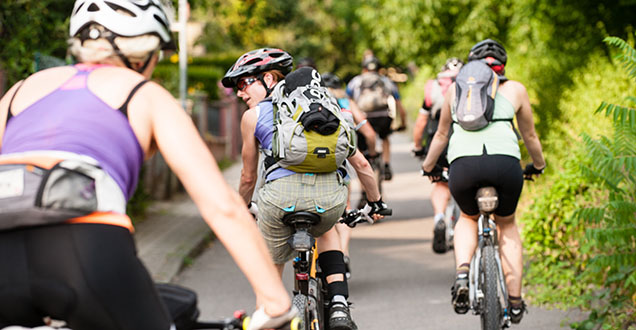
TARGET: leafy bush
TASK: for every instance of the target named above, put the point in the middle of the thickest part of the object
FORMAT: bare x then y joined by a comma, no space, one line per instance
610,237
204,73
552,237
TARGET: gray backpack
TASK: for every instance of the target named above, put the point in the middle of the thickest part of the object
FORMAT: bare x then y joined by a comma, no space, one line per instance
476,87
310,133
374,94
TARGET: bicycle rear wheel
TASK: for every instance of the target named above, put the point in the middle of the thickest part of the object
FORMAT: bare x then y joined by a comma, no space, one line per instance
491,308
301,303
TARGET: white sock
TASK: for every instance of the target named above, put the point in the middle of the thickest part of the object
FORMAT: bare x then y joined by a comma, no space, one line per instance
340,299
439,217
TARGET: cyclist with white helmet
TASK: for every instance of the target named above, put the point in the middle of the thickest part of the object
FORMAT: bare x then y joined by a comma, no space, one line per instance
254,75
425,128
489,157
82,133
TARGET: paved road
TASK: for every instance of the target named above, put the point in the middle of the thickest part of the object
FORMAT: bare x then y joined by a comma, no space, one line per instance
397,281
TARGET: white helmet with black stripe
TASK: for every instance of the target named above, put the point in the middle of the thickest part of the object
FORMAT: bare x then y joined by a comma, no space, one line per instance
126,18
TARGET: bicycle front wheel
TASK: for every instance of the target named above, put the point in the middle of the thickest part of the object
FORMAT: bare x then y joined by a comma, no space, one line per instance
491,307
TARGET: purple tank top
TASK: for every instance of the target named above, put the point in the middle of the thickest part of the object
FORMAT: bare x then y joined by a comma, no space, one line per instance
73,119
264,132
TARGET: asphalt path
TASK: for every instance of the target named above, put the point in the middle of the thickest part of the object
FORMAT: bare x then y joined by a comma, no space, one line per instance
397,282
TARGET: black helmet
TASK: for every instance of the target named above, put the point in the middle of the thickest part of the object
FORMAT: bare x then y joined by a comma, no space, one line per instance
331,80
370,63
306,62
452,63
488,48
258,61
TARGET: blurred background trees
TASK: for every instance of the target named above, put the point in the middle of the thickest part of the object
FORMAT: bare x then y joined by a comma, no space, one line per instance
555,48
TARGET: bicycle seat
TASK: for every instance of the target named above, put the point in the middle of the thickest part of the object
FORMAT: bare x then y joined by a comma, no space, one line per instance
305,218
487,199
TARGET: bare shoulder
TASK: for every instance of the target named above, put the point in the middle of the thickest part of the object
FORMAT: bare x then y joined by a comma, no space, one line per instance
250,117
514,87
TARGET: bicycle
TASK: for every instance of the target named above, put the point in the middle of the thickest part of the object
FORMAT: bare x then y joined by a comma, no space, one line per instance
309,290
487,287
181,304
310,293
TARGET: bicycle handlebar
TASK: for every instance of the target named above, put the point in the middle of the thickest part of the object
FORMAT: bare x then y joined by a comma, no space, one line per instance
353,217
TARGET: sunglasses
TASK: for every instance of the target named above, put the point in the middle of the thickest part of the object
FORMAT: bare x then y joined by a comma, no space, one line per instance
243,83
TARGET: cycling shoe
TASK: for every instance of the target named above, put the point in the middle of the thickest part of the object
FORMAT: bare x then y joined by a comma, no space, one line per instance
516,312
340,317
459,291
439,237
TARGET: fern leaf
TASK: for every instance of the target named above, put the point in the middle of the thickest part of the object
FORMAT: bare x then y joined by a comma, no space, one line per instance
590,214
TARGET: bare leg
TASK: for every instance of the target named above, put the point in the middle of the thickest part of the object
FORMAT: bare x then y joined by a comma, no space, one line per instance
511,253
439,197
465,240
386,150
344,232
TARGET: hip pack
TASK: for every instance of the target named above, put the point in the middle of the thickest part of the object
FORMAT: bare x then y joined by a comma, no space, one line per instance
310,133
48,187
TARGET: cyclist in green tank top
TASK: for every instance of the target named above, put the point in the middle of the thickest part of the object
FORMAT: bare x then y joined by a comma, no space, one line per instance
489,157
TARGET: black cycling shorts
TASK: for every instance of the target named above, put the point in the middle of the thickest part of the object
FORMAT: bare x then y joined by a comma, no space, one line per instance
85,274
468,174
381,126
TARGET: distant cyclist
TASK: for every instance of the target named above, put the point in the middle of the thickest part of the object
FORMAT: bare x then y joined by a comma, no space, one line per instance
489,157
255,75
355,117
82,133
375,94
425,128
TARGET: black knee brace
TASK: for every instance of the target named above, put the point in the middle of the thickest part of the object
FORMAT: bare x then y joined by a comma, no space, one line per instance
332,262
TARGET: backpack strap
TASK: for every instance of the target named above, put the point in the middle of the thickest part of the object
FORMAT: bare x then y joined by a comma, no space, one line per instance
9,114
124,107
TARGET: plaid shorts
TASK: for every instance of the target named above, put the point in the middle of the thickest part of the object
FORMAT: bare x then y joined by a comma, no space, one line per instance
323,194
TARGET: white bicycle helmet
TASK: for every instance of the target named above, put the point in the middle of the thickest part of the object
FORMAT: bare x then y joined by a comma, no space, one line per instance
140,17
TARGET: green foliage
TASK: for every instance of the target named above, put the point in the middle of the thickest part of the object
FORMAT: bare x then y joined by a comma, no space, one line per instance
28,27
204,73
553,238
610,238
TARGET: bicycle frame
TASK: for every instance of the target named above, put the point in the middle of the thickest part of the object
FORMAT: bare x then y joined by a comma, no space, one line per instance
308,286
487,236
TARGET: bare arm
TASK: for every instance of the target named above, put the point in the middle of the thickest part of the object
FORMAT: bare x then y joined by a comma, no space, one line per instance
365,174
440,140
366,130
402,112
249,155
526,127
221,207
418,130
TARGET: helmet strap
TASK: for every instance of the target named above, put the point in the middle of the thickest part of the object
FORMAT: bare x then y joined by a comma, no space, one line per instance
261,78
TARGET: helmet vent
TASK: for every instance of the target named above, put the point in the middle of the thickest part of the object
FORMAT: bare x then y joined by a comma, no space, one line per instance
116,7
93,7
79,7
252,61
160,20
